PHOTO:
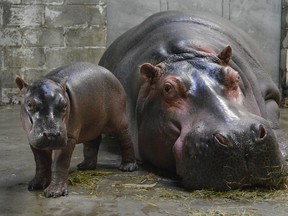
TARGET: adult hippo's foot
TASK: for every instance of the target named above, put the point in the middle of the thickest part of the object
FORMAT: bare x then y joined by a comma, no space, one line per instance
56,190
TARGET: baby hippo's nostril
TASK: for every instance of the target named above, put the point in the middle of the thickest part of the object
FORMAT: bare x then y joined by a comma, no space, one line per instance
51,136
221,140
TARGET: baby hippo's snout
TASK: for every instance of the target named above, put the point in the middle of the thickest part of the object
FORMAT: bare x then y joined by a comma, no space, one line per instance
51,136
231,158
48,139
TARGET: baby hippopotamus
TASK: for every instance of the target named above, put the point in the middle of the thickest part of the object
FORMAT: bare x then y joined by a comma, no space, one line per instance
72,104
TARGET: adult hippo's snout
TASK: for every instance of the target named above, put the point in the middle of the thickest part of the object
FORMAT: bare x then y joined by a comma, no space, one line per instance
222,158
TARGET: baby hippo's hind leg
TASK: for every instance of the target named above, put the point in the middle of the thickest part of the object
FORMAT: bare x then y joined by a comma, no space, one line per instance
90,151
128,162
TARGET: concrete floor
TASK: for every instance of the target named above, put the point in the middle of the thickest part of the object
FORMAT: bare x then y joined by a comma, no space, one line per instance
113,192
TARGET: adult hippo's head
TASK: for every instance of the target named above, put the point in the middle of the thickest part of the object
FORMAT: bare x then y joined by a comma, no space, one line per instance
44,112
196,117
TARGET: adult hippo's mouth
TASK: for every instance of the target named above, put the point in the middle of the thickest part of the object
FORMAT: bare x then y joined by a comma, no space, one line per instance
229,159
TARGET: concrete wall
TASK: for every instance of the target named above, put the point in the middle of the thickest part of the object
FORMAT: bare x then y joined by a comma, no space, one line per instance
39,35
284,51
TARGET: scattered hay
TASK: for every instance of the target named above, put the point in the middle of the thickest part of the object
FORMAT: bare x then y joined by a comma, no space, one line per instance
142,186
244,195
220,212
87,180
151,185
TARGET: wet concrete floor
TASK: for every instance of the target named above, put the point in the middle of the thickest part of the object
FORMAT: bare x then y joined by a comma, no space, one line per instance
108,191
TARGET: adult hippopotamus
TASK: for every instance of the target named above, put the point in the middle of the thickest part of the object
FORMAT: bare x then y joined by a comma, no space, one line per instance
200,112
72,104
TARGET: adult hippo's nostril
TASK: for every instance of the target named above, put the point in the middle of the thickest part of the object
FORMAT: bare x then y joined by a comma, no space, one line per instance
262,131
221,140
259,131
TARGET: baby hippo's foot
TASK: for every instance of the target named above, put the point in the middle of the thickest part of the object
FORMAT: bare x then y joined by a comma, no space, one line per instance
128,166
56,190
87,165
38,183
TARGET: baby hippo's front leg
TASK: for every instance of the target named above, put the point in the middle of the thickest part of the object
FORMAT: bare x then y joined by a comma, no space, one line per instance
60,169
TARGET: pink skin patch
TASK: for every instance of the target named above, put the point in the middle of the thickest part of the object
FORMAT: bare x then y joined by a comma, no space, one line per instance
177,150
232,90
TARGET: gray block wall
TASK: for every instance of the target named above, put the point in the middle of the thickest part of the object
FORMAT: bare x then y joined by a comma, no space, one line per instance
284,52
37,36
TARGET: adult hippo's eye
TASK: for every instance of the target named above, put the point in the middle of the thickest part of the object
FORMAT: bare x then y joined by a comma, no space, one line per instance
169,91
167,87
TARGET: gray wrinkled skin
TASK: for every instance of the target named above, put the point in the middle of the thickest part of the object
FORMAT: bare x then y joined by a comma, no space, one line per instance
201,102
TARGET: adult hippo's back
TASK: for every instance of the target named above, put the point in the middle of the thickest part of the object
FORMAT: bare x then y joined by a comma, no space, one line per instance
196,109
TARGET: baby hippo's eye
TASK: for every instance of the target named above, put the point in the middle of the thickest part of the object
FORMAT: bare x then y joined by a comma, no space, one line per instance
62,105
31,105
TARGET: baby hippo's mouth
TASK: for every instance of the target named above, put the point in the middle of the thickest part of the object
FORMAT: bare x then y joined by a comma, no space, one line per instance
48,141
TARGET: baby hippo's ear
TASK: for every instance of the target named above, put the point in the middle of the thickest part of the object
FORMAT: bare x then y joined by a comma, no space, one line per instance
63,82
21,84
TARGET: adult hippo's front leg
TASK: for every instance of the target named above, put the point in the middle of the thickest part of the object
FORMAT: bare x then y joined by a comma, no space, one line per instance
60,167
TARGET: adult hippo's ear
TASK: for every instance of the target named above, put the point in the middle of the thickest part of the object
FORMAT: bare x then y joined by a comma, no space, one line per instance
225,55
150,72
21,84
